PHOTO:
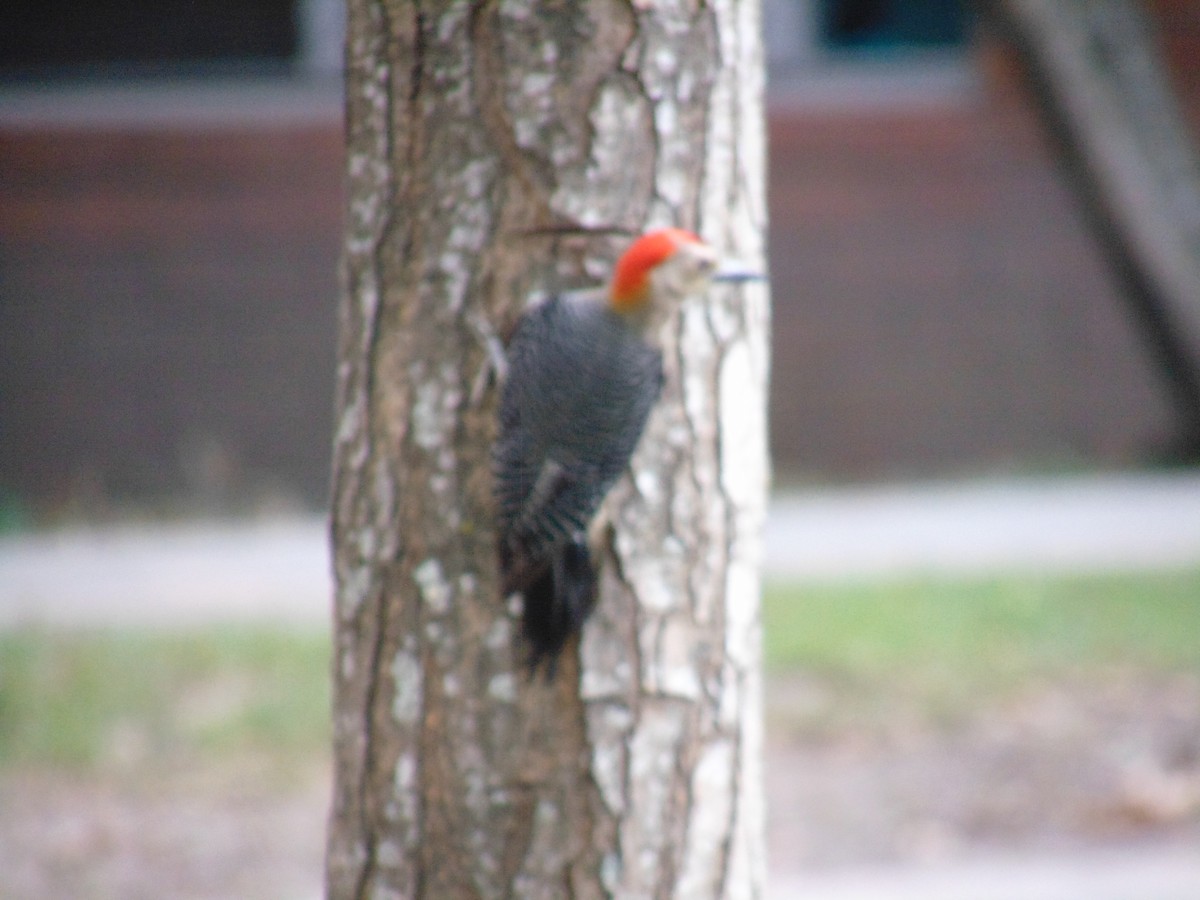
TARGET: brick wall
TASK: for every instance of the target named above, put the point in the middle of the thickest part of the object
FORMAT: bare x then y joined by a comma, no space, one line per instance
938,306
1177,24
167,306
167,322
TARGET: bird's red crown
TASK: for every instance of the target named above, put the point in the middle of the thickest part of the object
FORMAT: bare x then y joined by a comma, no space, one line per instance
631,279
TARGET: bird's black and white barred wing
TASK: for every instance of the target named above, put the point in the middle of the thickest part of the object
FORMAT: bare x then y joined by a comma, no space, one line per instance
580,387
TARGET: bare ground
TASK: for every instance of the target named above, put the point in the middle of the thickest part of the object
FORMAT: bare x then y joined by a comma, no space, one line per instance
1059,770
1055,768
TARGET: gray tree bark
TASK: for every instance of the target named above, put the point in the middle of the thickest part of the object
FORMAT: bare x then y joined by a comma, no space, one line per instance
482,138
1095,70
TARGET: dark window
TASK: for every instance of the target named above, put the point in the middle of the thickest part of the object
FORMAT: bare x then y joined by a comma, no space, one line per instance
43,37
887,24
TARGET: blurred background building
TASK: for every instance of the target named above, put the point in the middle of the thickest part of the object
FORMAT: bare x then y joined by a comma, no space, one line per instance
170,223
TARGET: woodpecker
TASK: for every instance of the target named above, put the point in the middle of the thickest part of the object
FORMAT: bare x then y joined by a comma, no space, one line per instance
583,374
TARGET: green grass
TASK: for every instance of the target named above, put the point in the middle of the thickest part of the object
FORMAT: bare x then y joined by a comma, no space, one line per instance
943,644
124,697
1027,622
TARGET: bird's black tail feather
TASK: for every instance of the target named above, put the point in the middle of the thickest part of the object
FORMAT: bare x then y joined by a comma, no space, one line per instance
557,603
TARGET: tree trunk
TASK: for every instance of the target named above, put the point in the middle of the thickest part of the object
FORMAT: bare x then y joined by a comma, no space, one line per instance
482,139
1095,71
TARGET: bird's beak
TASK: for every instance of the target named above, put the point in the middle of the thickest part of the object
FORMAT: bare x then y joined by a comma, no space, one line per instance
736,273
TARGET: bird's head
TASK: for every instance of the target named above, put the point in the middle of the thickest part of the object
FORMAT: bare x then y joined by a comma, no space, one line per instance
666,265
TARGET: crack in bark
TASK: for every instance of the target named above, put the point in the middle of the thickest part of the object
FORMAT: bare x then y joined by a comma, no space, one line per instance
731,537
735,792
721,613
368,828
369,837
487,83
634,697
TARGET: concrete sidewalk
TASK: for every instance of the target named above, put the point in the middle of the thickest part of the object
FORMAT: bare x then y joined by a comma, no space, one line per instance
1080,523
1146,874
179,574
